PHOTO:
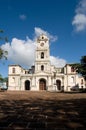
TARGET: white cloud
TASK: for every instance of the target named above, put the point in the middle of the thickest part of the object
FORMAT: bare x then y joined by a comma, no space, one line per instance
81,8
20,51
39,31
22,17
58,62
23,51
79,20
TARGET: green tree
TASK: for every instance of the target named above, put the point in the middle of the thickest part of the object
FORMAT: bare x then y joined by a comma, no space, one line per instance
81,67
1,78
3,38
3,54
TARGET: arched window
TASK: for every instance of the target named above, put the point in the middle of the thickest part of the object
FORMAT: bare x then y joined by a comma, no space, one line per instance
72,69
72,79
81,81
42,67
13,79
42,55
42,37
13,70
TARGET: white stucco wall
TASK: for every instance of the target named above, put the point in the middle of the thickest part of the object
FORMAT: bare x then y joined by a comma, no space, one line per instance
67,78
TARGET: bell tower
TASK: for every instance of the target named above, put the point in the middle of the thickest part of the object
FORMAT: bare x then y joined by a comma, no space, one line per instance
42,59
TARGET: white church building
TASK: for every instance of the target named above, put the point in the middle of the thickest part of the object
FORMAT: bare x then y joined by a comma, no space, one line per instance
43,75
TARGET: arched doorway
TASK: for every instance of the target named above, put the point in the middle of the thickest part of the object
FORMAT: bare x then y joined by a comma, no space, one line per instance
58,83
27,85
42,84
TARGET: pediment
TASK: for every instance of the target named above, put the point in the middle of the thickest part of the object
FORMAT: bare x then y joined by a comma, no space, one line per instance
43,73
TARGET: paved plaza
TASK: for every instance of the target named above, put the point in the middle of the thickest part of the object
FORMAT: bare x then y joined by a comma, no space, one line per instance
42,110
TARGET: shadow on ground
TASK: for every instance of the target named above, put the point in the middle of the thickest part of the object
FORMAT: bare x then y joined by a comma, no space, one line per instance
39,114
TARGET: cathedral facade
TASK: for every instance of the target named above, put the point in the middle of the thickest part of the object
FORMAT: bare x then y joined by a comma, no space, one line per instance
43,75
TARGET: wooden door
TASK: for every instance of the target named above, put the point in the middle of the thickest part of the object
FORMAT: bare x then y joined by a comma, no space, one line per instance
42,84
58,83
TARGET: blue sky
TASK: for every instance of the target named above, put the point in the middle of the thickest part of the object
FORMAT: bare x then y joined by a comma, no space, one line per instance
64,21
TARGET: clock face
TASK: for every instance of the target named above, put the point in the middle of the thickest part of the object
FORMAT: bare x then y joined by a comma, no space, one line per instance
42,44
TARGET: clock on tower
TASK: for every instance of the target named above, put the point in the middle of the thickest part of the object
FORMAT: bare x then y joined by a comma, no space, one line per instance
43,41
42,61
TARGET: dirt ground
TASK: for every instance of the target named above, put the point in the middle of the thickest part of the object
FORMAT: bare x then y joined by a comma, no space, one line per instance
42,110
22,95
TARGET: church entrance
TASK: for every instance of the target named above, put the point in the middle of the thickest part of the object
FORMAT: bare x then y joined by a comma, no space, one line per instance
42,84
27,85
58,84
